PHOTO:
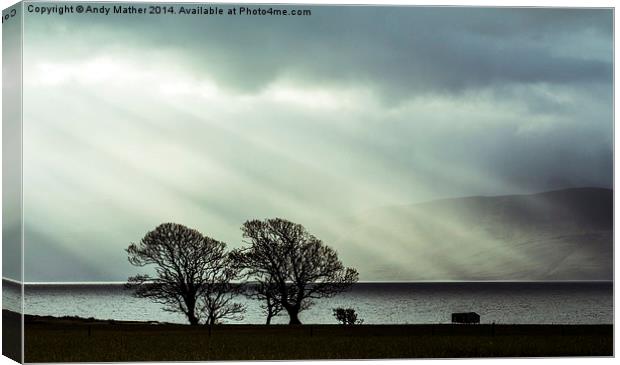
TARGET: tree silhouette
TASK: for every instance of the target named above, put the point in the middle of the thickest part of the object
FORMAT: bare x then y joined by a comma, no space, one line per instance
267,292
189,269
219,294
299,265
346,316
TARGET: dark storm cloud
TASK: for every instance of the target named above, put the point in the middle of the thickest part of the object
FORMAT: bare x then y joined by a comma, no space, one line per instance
398,51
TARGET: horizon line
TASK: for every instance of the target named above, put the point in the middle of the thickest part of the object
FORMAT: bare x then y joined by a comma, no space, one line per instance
358,282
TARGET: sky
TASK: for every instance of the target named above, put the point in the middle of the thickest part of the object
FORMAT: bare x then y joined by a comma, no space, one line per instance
131,121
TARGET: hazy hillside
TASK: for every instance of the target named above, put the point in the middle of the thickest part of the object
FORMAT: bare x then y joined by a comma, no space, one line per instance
558,235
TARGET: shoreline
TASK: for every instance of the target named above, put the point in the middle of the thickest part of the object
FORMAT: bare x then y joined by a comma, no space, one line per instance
36,318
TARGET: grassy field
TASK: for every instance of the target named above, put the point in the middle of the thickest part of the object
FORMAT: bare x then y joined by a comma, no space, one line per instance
70,339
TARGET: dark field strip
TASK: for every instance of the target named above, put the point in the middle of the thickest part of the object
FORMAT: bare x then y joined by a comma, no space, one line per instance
65,340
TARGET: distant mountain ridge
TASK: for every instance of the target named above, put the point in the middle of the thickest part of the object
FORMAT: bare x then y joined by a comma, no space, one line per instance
557,235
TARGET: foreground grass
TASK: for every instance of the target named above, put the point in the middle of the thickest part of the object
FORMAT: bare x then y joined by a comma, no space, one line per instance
66,340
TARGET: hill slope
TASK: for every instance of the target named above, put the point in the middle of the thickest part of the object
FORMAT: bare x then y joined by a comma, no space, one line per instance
558,235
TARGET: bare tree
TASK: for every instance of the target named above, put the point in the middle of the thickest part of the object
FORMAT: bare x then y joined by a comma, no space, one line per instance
266,291
186,264
219,295
301,266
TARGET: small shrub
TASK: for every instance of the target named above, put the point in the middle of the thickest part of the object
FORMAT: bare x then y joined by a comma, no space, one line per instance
346,316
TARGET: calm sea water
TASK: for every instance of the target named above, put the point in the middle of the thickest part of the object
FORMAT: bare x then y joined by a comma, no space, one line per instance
376,303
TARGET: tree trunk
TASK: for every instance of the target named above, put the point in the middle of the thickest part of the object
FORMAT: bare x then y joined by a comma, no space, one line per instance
192,319
293,313
191,308
269,312
191,316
